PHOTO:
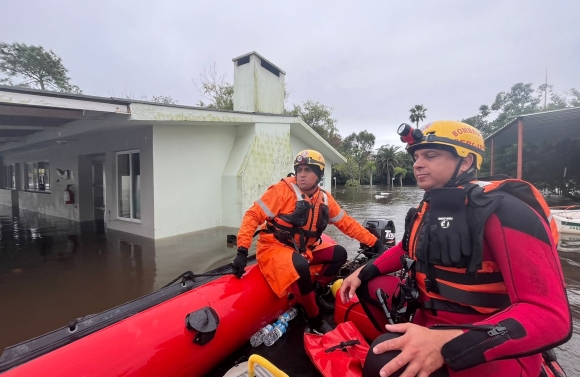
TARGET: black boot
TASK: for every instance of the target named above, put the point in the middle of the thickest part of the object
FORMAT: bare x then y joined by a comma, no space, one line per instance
321,293
324,306
318,325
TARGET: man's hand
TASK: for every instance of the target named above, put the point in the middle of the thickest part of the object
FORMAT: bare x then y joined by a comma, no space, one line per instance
420,349
349,286
379,247
240,261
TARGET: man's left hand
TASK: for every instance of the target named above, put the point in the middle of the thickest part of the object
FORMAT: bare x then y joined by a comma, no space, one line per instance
379,247
420,349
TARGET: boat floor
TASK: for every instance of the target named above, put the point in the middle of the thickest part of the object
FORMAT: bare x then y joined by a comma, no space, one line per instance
288,353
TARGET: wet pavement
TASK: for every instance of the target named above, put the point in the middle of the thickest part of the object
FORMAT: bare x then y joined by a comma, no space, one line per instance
53,270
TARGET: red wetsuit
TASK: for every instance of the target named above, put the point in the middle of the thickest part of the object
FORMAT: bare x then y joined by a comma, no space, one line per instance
537,318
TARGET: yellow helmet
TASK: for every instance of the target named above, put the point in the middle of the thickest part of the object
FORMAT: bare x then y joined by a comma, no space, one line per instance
459,138
312,158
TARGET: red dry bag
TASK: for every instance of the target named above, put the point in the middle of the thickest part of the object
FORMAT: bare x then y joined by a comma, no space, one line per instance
340,352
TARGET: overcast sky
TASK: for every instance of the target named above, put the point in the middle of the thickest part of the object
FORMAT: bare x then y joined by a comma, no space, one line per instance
370,60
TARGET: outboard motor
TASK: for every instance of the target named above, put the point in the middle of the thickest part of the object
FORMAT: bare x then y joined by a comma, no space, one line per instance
384,230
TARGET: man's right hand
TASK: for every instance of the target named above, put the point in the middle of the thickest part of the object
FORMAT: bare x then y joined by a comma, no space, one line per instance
240,262
349,286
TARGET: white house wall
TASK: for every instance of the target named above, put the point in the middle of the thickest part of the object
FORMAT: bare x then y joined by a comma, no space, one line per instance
188,164
269,160
66,157
232,208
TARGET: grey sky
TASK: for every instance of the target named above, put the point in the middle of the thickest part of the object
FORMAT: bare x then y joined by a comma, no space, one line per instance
371,61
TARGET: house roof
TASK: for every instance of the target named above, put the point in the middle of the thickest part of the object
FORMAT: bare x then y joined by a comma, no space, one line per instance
538,127
24,112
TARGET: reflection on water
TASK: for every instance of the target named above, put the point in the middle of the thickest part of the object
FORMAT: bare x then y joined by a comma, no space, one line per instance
53,270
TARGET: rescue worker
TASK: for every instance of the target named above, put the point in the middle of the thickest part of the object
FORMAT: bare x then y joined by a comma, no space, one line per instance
292,214
484,264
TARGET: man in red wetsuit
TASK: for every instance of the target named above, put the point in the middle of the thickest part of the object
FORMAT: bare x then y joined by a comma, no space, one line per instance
491,292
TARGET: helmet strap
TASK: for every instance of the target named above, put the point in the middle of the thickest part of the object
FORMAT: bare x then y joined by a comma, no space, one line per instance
466,176
452,182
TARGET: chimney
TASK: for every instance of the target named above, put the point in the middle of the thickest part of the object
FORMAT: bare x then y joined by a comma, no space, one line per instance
258,85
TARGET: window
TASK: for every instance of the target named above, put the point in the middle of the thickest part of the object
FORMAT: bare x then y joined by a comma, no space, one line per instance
129,185
37,176
10,176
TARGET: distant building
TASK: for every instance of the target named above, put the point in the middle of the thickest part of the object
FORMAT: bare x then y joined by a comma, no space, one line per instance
146,168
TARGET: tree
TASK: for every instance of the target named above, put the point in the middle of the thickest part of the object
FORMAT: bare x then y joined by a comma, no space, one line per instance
319,117
360,147
370,167
346,171
166,100
387,160
400,172
418,114
575,100
36,67
480,121
215,89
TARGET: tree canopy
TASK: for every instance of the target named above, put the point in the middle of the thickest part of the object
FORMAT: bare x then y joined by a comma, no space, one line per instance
218,93
319,117
418,114
34,67
360,147
520,99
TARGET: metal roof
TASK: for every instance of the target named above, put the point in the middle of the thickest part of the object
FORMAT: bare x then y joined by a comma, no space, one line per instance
539,127
81,97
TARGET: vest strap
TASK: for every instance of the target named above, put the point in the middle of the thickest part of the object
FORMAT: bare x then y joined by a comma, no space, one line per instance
462,278
484,300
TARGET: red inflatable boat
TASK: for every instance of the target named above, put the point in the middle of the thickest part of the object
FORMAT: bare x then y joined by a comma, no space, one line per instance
185,329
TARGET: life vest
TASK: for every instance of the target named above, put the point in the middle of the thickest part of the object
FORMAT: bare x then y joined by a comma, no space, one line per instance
303,227
453,288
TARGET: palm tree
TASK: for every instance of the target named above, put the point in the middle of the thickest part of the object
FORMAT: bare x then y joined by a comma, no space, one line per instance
387,160
370,167
401,172
418,113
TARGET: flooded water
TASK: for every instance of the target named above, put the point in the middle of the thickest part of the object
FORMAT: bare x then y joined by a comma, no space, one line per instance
53,270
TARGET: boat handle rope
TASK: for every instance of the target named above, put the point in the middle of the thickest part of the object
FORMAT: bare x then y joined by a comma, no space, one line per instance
189,275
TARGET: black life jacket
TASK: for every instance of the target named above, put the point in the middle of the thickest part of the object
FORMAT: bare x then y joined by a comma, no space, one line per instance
303,227
472,285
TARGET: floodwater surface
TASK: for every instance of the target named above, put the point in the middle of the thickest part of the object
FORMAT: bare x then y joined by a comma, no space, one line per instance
53,270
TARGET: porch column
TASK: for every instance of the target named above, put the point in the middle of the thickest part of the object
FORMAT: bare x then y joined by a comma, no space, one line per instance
520,147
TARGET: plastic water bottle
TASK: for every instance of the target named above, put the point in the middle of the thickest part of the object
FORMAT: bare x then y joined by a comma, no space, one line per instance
274,335
289,315
259,337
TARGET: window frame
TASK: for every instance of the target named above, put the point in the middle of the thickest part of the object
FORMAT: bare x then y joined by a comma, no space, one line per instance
35,181
10,176
131,219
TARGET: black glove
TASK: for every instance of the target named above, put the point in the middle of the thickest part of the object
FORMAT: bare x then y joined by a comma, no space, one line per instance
240,261
379,247
449,231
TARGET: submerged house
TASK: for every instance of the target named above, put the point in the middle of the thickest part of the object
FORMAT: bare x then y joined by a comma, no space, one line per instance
146,168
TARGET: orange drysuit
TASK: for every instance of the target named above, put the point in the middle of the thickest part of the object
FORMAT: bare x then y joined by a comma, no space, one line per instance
274,257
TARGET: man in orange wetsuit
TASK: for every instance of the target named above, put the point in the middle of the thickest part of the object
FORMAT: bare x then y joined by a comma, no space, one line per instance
292,214
484,263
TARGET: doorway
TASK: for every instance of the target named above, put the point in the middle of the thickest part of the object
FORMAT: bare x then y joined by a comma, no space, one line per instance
92,193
